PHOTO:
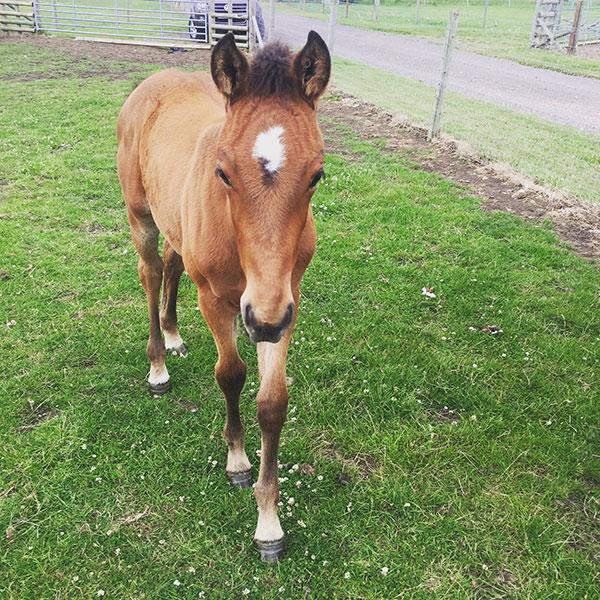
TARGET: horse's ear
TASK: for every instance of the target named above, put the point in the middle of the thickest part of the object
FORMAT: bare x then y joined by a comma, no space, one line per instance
229,69
312,67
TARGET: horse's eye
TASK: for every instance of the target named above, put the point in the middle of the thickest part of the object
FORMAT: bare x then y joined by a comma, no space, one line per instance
320,174
222,175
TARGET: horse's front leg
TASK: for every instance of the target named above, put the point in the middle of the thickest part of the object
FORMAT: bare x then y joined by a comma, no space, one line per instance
272,403
230,373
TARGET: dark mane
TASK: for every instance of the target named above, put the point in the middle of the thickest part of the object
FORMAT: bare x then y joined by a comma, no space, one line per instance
270,72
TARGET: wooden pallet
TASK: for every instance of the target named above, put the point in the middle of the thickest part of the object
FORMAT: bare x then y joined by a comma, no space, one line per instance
17,17
543,24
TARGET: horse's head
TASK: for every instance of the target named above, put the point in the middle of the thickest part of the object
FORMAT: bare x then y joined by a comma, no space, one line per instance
270,159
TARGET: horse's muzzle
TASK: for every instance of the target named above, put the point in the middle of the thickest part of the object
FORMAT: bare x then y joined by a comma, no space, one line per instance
265,332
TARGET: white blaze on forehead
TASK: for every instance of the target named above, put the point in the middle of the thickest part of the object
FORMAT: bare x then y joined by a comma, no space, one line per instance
269,150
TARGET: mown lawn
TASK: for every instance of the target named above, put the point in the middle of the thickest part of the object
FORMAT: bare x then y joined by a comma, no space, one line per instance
447,446
505,35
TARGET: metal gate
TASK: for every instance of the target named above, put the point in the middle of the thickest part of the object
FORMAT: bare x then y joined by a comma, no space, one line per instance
180,23
553,23
589,28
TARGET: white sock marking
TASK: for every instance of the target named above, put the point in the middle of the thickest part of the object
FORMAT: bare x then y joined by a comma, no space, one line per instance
237,461
158,375
268,528
269,149
172,340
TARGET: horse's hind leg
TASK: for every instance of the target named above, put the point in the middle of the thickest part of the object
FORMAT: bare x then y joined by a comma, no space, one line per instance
168,314
144,234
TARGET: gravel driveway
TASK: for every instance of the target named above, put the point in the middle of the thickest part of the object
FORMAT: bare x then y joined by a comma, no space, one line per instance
554,96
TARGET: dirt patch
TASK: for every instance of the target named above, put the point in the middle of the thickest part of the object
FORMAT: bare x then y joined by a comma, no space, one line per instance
95,51
589,51
500,187
363,465
36,416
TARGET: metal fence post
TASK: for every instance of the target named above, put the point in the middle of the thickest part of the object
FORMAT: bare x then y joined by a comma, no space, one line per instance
271,37
441,88
332,22
375,10
417,12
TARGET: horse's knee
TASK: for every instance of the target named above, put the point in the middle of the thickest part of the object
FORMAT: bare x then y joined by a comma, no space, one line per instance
272,412
231,377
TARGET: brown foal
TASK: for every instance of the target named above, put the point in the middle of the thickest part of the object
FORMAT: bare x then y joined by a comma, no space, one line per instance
225,170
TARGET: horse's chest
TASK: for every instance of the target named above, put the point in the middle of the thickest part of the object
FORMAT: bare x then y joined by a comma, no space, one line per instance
221,269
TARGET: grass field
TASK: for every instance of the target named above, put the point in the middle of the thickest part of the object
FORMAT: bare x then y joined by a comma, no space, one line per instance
553,154
469,459
506,34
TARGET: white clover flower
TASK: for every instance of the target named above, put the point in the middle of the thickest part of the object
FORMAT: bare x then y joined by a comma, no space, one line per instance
177,583
245,591
346,575
384,571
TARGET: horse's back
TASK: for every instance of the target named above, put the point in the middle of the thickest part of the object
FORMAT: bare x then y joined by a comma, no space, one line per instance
163,90
158,129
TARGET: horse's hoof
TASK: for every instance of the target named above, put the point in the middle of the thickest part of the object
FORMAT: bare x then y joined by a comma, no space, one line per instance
243,479
159,389
180,350
270,552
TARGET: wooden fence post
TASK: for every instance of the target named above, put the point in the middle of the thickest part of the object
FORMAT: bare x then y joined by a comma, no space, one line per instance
574,37
417,12
441,88
332,22
375,9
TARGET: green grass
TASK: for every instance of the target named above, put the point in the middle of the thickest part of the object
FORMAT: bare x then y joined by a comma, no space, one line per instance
553,154
471,458
505,36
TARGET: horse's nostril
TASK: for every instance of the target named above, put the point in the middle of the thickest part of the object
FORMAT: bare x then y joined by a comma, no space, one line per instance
248,316
289,315
267,332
